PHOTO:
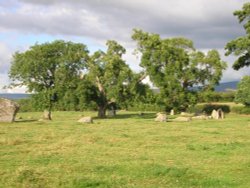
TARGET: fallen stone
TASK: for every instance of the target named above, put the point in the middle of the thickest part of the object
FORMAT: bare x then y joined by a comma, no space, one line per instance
182,119
161,117
85,120
201,117
185,114
8,110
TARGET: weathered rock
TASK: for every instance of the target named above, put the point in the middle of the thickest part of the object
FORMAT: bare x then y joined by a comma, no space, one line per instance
172,112
86,120
47,115
214,114
221,114
201,117
186,114
218,114
182,119
8,110
161,117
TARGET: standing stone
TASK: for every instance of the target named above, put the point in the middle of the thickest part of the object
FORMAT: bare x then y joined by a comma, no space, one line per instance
172,112
8,110
219,114
161,117
214,114
86,120
46,115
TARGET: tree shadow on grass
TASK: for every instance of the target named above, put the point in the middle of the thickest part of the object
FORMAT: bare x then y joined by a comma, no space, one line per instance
149,115
25,120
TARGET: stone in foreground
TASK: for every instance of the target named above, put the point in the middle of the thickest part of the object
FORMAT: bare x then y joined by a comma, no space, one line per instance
8,110
161,117
85,120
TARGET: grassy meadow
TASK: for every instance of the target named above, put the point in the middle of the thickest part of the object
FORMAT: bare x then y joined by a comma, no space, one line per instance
126,151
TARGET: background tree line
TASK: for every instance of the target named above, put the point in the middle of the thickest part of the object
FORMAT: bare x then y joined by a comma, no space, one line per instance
65,76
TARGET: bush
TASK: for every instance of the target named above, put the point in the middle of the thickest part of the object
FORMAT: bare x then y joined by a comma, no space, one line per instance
208,108
240,110
243,91
28,105
212,96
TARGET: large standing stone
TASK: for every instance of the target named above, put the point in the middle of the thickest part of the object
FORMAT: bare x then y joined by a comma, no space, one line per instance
86,120
8,110
160,117
214,114
221,113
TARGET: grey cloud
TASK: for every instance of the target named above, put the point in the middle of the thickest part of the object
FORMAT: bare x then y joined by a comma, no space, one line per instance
208,23
5,58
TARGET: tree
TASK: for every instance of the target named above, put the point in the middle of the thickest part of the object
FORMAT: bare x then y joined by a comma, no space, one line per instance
175,67
46,67
240,47
243,91
110,75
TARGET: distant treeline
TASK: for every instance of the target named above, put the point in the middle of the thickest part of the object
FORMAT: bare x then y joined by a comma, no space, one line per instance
72,102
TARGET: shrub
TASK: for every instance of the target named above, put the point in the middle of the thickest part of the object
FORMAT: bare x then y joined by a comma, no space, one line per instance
243,91
208,108
240,109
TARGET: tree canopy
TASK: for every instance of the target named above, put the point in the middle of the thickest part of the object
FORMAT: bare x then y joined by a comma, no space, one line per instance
175,67
110,75
243,91
240,46
45,67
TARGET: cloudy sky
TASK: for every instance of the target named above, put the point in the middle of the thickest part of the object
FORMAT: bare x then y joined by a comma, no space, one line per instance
209,23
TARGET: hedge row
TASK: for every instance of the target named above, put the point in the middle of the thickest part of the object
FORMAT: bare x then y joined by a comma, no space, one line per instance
208,108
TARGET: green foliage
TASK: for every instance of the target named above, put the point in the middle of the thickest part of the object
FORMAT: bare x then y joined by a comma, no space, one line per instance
45,68
212,96
208,108
240,46
174,67
110,75
243,91
241,109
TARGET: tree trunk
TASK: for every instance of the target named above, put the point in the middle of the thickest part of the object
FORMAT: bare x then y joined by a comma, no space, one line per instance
102,112
47,113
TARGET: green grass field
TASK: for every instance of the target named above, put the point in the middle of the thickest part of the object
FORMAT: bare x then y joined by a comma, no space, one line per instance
126,151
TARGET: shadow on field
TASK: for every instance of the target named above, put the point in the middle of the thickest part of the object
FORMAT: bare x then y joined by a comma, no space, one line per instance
25,120
134,116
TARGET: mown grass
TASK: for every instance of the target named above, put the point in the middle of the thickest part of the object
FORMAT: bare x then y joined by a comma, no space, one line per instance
126,151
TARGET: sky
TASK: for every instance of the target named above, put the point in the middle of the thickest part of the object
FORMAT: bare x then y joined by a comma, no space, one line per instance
209,23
